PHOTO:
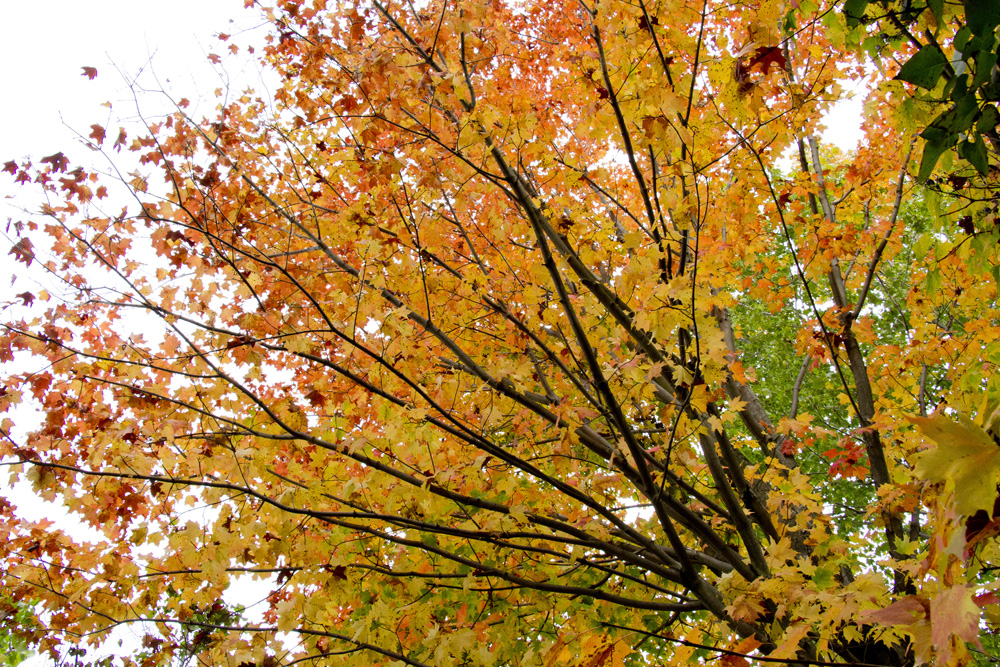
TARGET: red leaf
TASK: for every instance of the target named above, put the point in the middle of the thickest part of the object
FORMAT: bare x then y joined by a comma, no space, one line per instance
10,167
26,297
238,341
214,59
901,612
89,72
645,25
766,56
984,599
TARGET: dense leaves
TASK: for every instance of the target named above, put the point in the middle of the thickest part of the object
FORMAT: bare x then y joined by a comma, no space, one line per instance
955,62
527,333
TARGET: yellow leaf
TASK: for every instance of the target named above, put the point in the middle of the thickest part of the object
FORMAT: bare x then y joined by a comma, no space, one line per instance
965,458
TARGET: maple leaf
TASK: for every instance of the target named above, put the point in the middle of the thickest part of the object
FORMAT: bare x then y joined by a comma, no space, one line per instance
765,56
646,25
10,167
422,330
97,134
905,611
22,251
89,72
58,161
315,398
964,457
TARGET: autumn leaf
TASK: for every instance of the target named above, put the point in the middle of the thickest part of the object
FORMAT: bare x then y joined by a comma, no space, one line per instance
89,72
953,613
904,611
964,457
22,251
97,134
765,56
519,333
58,161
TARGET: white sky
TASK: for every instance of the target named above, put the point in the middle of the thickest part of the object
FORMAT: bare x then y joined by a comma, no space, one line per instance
44,44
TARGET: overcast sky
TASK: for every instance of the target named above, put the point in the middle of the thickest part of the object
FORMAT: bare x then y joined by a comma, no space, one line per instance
44,45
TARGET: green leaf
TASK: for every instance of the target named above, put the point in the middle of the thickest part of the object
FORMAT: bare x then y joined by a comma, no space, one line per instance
959,86
823,577
935,133
966,112
937,8
985,61
975,153
982,15
989,120
932,283
929,159
854,10
924,68
961,39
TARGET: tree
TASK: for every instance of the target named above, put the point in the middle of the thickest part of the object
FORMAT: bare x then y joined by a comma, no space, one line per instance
952,64
508,334
13,649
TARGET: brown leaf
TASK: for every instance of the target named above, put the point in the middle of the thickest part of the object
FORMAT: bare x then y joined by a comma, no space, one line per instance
22,251
58,161
97,133
315,398
89,72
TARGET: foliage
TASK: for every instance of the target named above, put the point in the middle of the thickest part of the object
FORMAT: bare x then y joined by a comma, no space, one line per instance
16,621
507,333
955,61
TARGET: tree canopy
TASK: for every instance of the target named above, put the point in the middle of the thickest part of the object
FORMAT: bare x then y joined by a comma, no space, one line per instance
531,333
